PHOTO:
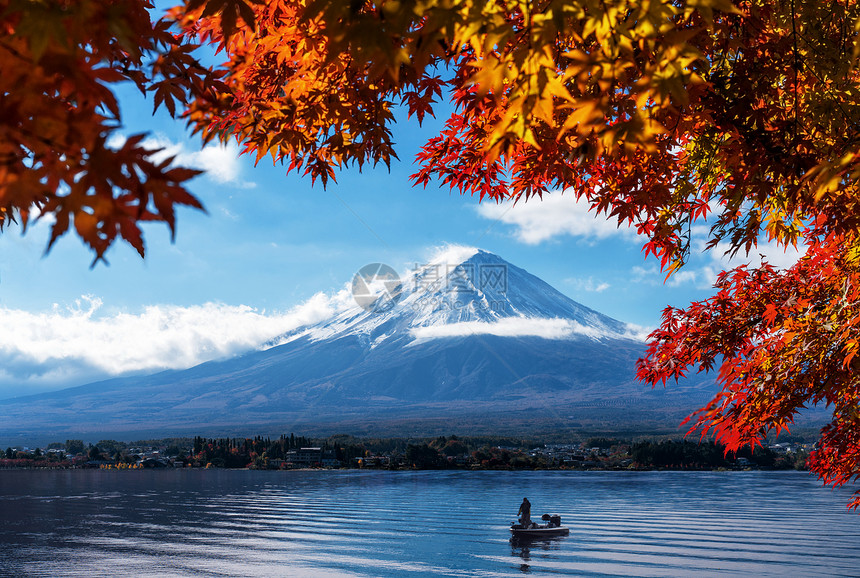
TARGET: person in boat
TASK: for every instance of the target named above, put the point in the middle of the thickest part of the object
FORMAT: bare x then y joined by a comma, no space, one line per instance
525,513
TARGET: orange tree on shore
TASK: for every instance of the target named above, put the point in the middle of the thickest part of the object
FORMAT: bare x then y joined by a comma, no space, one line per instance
742,117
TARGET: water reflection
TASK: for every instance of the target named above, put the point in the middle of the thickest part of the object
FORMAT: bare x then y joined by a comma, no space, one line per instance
522,547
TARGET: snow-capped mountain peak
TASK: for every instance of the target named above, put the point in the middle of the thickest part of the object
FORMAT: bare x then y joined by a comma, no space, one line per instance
459,291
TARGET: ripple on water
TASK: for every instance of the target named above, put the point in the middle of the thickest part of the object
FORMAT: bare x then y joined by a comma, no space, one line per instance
204,523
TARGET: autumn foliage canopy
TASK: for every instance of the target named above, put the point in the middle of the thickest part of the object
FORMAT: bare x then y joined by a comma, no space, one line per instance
739,117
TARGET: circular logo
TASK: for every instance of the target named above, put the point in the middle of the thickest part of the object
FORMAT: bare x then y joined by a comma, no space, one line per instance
376,287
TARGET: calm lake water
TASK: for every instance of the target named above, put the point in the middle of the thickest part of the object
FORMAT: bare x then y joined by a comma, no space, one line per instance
331,523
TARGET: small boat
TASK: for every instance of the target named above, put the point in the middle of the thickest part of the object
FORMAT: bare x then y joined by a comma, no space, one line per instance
551,529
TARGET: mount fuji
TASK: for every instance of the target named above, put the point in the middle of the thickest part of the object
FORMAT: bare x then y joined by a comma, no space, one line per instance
467,343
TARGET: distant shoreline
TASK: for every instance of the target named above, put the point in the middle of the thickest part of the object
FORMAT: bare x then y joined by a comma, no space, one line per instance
396,454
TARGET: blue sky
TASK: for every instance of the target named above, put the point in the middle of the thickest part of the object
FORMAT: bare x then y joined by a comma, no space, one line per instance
273,250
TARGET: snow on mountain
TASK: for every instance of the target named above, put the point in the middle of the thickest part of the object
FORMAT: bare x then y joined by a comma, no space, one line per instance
464,291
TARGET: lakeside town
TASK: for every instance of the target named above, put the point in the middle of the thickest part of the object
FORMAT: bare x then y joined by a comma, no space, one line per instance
443,452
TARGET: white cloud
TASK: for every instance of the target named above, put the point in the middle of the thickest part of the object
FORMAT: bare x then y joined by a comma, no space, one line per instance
538,220
637,332
79,341
685,277
702,277
649,275
589,285
229,214
452,254
774,254
517,327
702,268
220,162
779,256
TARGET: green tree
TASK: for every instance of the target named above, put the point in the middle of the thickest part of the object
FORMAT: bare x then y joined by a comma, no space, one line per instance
422,456
111,447
75,447
454,447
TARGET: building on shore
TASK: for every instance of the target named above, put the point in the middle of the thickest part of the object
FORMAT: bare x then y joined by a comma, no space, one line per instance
311,457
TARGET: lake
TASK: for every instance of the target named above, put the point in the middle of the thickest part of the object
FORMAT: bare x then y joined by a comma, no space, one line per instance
431,523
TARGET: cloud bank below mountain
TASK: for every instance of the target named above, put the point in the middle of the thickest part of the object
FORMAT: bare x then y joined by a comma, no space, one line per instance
520,327
68,345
